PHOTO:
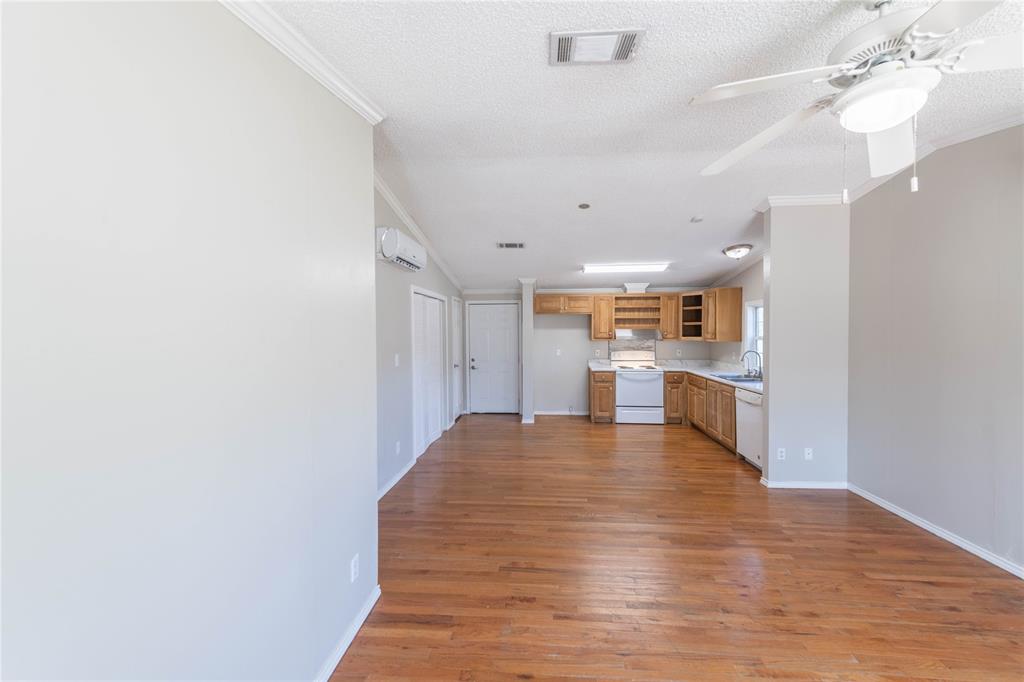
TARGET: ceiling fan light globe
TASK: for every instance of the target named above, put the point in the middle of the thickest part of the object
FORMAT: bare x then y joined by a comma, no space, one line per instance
882,110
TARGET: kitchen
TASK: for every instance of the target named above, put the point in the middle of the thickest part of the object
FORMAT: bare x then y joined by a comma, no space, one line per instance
673,356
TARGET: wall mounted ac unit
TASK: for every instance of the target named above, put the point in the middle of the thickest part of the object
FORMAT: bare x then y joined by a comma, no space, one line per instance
401,249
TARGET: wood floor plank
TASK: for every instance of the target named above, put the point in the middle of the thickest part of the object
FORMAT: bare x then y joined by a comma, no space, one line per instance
566,550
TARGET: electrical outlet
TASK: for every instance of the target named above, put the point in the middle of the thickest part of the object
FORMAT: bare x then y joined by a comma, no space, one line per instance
396,359
597,352
808,454
353,568
558,351
398,447
780,454
679,352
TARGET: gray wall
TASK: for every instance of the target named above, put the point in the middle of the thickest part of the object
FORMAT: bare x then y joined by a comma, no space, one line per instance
936,343
394,336
562,347
188,428
752,281
806,343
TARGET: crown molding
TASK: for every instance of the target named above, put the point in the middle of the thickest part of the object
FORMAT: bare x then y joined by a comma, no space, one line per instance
490,292
775,201
410,224
258,16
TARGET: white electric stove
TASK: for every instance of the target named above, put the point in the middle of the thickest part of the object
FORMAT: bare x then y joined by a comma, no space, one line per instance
639,387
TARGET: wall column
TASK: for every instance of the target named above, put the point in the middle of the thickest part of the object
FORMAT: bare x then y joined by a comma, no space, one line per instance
526,349
807,309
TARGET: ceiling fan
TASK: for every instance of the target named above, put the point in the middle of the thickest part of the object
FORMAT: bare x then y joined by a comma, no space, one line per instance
884,71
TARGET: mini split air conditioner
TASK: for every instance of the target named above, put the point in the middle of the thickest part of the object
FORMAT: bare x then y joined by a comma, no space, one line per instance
401,249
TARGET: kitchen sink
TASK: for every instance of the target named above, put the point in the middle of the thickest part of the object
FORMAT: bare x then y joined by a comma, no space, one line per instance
738,377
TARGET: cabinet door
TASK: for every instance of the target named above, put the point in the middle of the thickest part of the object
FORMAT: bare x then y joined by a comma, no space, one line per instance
727,418
670,316
545,304
714,428
709,315
696,406
578,305
674,404
602,323
728,314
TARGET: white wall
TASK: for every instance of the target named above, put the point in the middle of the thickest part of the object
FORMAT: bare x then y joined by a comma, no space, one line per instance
189,426
936,343
394,337
752,281
807,336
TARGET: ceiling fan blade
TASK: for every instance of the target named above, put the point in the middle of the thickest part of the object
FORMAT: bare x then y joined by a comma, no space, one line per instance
990,54
765,136
891,150
779,80
945,17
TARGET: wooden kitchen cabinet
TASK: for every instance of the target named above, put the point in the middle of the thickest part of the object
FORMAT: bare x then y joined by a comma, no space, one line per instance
602,397
722,314
670,309
567,304
675,397
602,320
578,304
696,401
719,402
545,304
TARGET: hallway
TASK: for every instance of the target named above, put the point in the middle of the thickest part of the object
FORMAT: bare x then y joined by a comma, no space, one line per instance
601,552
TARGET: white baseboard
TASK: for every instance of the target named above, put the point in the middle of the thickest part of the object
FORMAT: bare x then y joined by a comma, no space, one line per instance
398,477
805,485
527,421
560,413
980,552
342,646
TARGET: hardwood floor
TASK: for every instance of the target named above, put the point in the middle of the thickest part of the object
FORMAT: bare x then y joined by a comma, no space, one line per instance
571,550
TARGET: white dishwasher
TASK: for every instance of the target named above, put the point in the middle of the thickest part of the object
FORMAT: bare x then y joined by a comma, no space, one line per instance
749,426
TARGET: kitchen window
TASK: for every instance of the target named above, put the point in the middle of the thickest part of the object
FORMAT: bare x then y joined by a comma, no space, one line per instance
755,327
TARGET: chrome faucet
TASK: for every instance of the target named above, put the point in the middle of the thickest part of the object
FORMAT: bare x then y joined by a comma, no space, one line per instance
743,361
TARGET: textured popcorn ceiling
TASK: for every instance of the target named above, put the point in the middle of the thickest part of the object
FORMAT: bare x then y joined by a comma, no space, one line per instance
485,142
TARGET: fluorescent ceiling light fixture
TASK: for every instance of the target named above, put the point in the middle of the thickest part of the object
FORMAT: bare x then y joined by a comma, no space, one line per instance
596,269
737,251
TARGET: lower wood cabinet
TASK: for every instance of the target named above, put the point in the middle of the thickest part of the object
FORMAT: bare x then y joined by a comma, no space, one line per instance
602,397
711,407
675,397
696,401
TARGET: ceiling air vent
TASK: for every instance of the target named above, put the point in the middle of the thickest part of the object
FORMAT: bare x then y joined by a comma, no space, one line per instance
511,245
593,47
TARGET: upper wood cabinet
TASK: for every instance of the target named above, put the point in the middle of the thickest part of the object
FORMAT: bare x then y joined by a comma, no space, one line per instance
602,322
570,304
670,316
722,314
578,304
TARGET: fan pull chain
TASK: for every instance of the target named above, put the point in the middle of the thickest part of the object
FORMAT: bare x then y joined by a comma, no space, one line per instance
913,179
846,192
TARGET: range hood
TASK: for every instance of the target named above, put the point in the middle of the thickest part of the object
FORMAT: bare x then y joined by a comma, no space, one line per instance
638,334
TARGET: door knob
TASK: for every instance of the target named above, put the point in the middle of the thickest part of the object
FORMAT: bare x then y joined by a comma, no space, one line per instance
472,366
456,365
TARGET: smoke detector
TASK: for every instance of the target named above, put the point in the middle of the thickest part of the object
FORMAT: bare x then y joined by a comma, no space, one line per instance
593,47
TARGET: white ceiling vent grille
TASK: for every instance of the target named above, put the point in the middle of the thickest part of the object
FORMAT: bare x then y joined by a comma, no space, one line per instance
511,245
593,47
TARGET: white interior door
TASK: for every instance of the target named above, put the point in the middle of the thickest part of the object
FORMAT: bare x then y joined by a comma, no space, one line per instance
430,399
458,392
494,357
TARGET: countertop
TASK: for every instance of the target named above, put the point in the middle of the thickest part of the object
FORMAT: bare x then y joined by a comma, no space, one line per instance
699,367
